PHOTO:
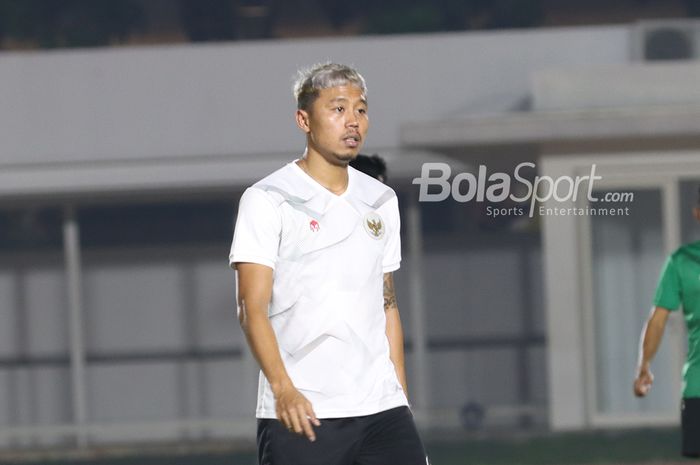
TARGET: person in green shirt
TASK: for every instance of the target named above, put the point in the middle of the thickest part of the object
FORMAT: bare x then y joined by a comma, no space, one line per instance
679,286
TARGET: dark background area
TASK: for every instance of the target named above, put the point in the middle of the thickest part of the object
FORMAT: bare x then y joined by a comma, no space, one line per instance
37,24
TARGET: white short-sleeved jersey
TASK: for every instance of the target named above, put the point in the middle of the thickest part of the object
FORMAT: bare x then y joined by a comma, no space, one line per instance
329,253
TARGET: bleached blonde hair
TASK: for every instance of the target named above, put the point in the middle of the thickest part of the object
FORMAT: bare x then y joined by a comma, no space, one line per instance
311,80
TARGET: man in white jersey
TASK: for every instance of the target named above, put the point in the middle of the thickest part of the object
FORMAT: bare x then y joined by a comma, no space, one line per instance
314,247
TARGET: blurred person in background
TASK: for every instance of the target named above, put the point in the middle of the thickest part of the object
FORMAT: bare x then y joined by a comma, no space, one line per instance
315,245
679,286
371,165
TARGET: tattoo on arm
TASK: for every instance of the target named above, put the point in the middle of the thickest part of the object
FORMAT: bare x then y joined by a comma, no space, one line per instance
389,294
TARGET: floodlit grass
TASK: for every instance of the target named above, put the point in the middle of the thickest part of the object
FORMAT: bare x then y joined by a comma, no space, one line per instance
643,446
600,447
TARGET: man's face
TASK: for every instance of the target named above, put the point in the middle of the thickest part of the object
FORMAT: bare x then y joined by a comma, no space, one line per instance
337,123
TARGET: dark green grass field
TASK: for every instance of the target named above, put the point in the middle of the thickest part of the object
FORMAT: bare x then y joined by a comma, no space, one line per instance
641,446
598,447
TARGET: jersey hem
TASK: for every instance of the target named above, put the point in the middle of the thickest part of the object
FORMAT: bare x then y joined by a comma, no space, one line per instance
267,414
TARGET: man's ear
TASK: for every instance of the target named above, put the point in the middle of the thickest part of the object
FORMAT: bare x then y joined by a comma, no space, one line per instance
696,213
302,118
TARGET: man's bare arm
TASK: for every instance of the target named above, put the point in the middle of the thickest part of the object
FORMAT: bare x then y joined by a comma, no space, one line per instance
394,332
254,294
651,339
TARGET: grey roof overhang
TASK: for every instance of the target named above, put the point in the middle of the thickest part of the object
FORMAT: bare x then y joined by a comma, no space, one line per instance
561,126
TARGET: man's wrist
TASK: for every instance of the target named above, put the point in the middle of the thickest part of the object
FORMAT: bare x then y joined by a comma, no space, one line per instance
280,386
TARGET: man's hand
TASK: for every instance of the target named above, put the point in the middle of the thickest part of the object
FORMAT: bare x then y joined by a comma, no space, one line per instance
643,382
295,411
649,344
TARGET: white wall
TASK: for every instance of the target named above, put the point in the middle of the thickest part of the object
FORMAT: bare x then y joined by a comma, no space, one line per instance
234,99
617,85
576,379
122,117
138,301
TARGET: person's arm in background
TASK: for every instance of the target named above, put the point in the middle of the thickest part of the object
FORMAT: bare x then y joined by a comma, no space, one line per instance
254,294
650,340
394,332
666,299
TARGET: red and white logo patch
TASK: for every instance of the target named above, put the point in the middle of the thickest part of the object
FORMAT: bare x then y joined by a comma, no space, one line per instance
314,226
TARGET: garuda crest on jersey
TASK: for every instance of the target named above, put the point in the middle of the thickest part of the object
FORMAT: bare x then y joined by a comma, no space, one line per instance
374,225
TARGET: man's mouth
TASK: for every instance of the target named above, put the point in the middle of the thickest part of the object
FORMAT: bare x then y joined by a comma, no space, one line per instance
352,140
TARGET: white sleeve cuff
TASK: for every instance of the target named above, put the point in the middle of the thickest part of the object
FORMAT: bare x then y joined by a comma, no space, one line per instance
247,258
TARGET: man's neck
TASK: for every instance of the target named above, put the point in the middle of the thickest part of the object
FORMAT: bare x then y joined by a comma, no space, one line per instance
333,177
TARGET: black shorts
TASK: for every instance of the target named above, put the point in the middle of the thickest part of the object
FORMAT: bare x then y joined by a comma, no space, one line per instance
690,424
385,438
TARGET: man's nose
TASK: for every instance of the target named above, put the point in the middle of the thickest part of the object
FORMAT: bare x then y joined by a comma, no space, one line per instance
352,120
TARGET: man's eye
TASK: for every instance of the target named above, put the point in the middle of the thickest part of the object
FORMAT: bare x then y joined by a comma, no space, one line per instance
362,110
339,109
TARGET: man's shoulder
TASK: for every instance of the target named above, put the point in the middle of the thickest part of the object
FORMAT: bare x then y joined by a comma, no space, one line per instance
690,251
284,185
371,191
